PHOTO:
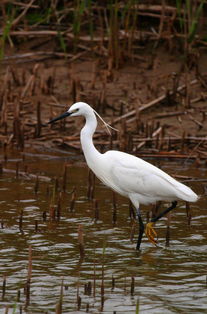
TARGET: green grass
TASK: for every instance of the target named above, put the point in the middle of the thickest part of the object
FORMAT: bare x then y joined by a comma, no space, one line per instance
189,13
5,36
41,17
137,307
195,21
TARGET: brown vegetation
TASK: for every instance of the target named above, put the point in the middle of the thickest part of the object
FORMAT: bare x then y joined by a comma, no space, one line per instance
140,65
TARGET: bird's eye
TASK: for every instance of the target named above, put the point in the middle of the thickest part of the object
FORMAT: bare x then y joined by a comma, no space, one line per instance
76,110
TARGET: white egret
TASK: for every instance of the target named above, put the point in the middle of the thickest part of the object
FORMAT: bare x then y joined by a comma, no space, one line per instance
128,175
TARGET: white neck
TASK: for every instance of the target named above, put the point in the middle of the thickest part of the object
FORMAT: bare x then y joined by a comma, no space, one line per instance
89,150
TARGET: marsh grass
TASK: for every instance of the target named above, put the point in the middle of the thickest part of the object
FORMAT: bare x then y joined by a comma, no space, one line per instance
189,14
137,307
62,42
78,13
5,37
117,26
39,17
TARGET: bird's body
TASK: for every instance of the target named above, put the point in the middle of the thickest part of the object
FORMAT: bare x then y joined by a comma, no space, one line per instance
126,174
139,180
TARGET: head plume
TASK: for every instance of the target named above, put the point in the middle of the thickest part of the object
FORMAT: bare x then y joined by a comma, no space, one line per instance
108,126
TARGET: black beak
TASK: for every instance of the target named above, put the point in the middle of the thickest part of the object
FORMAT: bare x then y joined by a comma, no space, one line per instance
62,116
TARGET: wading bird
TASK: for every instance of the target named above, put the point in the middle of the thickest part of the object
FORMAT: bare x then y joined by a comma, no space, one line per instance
128,175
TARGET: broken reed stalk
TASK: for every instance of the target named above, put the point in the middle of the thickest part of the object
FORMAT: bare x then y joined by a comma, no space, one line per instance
17,170
5,152
96,210
56,187
81,242
91,185
44,216
29,276
58,309
25,166
21,221
188,212
132,286
36,187
18,296
123,135
36,225
137,306
58,210
87,307
94,274
30,84
4,113
167,238
88,288
112,283
6,309
125,284
15,77
114,218
18,129
73,198
102,276
102,288
39,122
3,288
52,210
64,178
78,299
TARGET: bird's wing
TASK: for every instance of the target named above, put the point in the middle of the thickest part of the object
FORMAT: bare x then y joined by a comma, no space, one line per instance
134,175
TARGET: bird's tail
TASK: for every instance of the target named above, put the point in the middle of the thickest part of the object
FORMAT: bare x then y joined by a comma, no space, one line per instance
185,193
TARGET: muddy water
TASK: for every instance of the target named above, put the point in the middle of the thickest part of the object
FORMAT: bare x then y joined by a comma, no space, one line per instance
168,279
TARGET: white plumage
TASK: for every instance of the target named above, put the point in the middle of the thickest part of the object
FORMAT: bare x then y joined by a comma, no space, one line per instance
126,174
133,177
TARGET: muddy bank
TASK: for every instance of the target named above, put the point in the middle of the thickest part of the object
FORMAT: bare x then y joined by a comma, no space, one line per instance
155,105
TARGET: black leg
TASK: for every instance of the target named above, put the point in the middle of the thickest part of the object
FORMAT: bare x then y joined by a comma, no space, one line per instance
141,231
174,204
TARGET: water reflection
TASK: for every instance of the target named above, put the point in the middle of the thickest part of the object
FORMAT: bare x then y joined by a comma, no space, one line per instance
168,279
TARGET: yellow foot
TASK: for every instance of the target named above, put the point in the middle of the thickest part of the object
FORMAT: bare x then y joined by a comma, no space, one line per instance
151,233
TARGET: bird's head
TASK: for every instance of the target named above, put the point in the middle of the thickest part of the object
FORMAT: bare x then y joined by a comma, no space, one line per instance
81,109
77,109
